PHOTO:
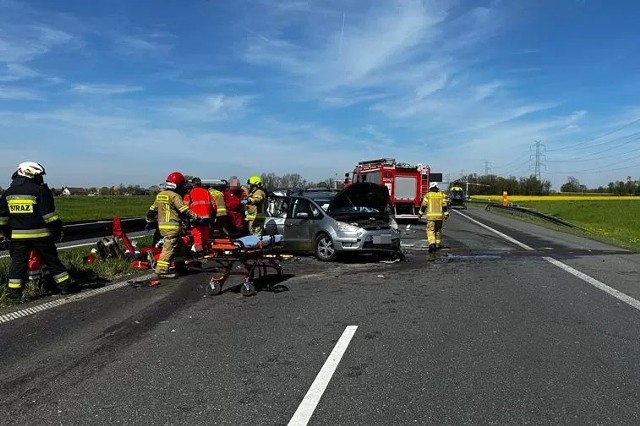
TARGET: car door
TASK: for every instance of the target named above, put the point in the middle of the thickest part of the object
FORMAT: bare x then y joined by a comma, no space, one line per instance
297,226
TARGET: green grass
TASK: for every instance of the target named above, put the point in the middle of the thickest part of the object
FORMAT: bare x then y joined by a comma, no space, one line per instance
616,221
74,208
98,273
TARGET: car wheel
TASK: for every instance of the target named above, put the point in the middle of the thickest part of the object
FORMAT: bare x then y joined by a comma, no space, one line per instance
324,248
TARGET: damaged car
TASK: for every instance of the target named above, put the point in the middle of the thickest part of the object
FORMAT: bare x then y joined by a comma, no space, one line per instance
325,223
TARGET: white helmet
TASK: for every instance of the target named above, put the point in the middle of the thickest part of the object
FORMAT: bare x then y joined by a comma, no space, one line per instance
30,169
433,185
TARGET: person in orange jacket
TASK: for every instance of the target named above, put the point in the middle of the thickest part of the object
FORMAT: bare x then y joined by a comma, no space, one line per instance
200,201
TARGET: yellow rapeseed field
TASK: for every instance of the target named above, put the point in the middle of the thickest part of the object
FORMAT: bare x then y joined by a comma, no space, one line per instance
559,197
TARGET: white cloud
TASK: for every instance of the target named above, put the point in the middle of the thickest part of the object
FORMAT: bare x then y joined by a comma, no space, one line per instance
104,89
156,43
14,72
19,93
207,108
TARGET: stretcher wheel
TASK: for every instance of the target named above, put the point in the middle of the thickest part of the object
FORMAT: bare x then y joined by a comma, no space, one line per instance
248,289
214,287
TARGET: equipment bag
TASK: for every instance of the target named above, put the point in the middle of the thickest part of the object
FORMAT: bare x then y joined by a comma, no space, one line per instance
109,248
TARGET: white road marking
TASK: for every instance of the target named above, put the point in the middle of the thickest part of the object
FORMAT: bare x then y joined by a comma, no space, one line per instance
65,300
584,277
310,401
495,231
598,284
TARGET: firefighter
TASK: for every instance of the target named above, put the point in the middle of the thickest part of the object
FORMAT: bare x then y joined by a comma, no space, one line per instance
256,202
435,204
220,225
200,201
233,197
28,216
168,209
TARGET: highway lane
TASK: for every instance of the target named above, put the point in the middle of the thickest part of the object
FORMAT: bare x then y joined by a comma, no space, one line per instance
488,333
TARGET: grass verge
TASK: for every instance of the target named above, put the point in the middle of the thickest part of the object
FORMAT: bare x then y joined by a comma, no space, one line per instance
73,208
616,222
95,274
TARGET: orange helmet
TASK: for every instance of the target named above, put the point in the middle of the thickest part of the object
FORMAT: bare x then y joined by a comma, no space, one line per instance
175,178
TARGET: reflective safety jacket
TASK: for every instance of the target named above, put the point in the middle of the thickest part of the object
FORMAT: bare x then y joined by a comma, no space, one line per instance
200,201
218,196
168,209
28,211
235,208
435,203
256,204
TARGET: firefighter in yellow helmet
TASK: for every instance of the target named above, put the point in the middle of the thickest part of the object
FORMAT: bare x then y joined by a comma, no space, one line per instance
168,209
256,205
434,203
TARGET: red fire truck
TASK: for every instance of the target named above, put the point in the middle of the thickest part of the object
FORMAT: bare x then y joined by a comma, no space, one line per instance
407,183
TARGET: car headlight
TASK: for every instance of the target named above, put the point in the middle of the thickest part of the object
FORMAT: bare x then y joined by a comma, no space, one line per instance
346,227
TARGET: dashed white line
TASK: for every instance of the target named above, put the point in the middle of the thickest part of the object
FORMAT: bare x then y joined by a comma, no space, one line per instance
584,277
310,401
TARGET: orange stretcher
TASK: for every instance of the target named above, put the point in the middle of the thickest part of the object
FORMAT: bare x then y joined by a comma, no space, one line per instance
250,257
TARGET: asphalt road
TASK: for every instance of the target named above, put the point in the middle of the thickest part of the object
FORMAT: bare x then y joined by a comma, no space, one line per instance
492,332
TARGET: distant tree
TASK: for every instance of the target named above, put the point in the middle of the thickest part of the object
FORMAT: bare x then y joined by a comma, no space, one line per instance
271,181
571,185
293,180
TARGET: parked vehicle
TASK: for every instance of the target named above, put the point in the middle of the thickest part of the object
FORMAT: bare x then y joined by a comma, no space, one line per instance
326,223
406,183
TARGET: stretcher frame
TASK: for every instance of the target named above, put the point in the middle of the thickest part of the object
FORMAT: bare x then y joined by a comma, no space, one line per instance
235,258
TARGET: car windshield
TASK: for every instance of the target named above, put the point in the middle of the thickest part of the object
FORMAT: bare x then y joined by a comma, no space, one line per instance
321,198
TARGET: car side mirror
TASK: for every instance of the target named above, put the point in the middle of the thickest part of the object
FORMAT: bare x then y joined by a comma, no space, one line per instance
302,215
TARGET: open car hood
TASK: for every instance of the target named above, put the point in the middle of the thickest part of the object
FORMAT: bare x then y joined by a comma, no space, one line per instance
358,195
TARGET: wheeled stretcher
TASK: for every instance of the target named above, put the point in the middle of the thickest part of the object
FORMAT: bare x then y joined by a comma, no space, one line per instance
250,256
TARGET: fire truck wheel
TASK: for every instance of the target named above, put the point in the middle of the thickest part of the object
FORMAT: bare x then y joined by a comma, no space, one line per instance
324,248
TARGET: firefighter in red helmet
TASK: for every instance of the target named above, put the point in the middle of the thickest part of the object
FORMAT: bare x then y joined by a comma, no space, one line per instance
168,210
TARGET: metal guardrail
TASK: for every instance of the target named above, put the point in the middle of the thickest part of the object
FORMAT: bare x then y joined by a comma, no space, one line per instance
95,229
531,212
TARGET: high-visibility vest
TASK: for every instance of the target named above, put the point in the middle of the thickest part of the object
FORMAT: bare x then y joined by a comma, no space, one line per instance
434,202
218,196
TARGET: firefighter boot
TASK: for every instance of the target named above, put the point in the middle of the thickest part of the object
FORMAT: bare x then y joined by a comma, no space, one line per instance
68,287
432,252
14,294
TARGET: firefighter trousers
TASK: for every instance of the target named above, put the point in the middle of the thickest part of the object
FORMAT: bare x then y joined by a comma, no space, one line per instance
172,248
434,232
19,251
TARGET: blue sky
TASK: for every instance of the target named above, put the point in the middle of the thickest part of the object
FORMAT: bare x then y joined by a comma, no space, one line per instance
104,92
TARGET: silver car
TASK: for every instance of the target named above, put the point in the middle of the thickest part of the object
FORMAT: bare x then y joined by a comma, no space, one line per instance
326,223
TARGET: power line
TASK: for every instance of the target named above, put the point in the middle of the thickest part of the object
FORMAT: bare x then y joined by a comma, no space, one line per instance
539,154
583,143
